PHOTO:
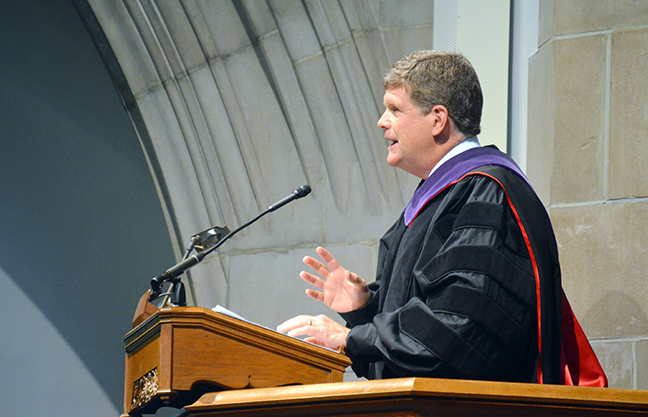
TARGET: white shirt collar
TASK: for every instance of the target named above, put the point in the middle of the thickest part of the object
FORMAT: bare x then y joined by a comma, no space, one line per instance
463,146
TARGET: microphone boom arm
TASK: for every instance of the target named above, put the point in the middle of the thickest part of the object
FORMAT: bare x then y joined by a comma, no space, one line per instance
193,260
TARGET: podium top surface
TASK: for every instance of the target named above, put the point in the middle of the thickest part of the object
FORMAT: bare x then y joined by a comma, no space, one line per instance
486,397
202,318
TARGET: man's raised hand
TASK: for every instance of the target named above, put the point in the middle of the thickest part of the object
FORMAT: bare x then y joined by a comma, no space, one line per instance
341,290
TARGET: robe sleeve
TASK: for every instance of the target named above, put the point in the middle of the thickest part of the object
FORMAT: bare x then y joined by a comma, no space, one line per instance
472,312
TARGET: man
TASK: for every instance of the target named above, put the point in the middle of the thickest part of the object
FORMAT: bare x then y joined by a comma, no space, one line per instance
468,281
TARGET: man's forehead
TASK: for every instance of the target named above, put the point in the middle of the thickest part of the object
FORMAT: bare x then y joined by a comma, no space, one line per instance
396,94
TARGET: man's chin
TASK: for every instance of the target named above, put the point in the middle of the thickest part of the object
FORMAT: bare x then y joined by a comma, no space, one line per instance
393,161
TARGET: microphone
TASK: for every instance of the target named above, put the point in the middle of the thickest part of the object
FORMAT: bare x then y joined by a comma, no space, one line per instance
173,272
300,192
208,238
179,269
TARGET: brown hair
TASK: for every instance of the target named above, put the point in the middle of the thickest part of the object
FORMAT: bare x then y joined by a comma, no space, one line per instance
441,78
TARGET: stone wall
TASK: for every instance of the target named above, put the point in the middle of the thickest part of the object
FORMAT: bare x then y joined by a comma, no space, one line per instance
240,102
588,159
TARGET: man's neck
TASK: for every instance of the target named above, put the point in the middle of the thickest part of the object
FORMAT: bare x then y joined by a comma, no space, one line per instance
464,145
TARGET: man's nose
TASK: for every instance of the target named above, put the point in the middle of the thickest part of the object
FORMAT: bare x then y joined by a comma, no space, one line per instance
382,122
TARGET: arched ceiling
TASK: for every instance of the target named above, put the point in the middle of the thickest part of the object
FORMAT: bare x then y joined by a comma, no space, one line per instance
239,102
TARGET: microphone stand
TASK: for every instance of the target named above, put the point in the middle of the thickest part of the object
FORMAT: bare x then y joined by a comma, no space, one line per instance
176,296
173,274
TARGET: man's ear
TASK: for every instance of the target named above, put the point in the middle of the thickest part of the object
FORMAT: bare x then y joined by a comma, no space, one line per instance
439,119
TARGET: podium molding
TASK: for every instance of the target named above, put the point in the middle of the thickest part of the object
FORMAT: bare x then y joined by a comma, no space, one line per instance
418,397
179,353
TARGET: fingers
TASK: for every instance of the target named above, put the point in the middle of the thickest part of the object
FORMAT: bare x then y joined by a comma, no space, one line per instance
315,295
316,282
314,341
301,326
328,258
312,279
320,330
316,265
294,324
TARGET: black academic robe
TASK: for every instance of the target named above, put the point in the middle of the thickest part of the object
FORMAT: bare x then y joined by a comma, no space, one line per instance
457,290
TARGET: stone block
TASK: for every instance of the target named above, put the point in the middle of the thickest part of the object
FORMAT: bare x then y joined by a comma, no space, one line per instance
297,31
374,61
266,132
642,364
540,134
617,361
401,42
266,289
546,20
604,260
581,16
214,19
330,22
129,47
629,115
177,35
407,13
579,120
362,15
260,15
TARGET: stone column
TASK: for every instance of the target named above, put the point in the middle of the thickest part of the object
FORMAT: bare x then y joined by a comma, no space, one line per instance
588,159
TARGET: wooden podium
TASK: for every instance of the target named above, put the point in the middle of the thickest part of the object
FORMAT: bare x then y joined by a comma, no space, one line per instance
418,397
211,365
179,353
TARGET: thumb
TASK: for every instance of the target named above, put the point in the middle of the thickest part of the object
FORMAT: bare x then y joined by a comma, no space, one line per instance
354,279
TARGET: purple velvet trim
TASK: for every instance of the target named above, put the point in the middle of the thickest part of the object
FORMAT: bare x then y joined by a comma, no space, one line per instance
454,169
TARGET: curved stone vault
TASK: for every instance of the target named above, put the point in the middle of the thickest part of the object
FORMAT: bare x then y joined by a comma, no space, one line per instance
239,102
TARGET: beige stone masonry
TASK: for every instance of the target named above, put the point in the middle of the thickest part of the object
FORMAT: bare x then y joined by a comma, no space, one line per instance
617,359
642,364
579,127
582,16
604,259
629,115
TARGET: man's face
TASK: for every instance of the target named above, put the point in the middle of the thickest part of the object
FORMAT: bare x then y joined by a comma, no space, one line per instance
409,133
